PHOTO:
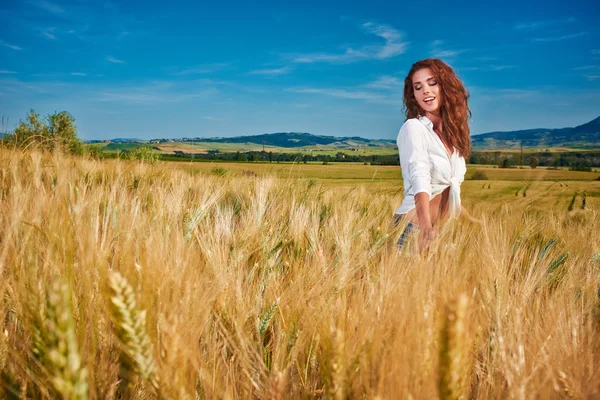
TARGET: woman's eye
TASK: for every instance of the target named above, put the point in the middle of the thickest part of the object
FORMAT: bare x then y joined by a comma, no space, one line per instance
417,87
433,83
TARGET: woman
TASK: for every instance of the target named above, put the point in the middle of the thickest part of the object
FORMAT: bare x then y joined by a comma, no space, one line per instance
432,144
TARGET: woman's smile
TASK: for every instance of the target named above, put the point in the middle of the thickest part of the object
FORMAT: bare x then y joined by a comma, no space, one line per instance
426,90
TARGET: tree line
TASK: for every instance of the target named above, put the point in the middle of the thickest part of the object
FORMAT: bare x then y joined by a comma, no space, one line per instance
575,160
582,161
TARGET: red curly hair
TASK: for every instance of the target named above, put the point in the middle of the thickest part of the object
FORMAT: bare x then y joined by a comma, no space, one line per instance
454,109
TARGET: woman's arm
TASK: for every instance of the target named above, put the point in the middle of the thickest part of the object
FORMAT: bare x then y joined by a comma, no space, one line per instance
427,233
414,159
465,213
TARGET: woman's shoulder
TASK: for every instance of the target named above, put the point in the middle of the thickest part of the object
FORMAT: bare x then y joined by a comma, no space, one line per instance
410,127
412,123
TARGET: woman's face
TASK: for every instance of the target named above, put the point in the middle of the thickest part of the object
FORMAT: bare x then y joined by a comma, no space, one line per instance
427,92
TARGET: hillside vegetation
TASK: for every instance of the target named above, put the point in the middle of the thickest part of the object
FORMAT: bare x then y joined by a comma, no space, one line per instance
124,279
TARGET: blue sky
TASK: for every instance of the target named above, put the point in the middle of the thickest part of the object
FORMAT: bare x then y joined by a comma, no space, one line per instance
171,69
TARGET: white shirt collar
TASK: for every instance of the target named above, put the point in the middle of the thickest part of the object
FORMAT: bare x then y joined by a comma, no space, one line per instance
425,121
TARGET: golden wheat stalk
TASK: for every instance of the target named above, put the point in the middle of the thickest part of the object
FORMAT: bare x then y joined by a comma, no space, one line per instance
338,365
130,324
58,336
3,349
452,369
567,389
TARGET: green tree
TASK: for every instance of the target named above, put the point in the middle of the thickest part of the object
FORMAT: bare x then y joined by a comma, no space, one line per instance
95,151
144,154
32,130
58,130
63,132
506,163
533,162
241,157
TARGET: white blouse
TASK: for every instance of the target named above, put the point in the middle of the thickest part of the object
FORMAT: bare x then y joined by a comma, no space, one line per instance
426,165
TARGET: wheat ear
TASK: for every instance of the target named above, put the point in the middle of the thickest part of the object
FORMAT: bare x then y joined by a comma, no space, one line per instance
130,325
452,372
61,358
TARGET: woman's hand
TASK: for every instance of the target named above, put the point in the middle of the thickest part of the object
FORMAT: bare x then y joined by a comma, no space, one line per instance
426,235
471,218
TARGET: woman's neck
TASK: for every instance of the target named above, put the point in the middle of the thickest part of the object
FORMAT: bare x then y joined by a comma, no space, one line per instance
437,121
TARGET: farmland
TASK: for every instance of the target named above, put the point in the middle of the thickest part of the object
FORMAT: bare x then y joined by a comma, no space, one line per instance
247,280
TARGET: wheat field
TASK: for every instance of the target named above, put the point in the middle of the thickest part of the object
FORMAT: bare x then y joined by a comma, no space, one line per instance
127,280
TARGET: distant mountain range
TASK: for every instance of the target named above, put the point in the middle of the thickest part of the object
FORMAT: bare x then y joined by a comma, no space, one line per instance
290,140
582,136
586,136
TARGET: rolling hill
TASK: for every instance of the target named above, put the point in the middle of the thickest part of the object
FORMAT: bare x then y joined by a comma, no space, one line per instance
292,140
586,136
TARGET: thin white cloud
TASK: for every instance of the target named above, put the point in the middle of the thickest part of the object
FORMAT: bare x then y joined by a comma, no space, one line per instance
585,67
488,68
193,71
517,93
534,25
393,46
201,69
78,74
210,82
493,94
352,94
349,56
596,51
16,85
558,38
46,75
273,71
123,34
114,60
10,46
50,7
592,77
343,93
446,53
160,92
153,93
501,67
149,97
386,82
438,52
49,33
4,71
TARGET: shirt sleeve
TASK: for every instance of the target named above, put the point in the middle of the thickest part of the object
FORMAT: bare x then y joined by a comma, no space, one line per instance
414,157
461,169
